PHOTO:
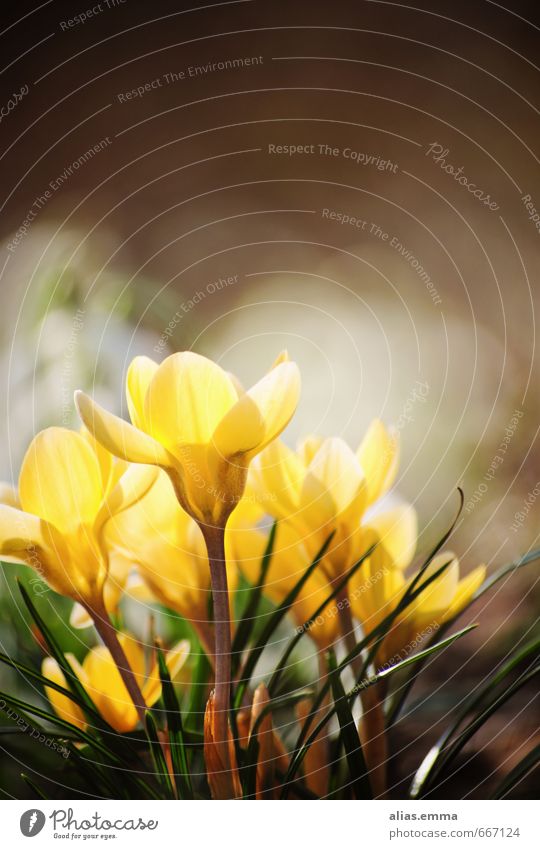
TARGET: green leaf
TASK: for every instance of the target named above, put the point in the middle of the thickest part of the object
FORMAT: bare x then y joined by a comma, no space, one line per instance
418,657
381,629
248,618
28,672
248,770
523,768
74,685
158,758
34,787
176,731
399,699
280,612
438,758
302,747
198,692
358,772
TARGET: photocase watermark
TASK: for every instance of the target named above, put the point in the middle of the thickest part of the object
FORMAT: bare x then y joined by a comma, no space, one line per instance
532,211
439,155
54,185
32,822
32,732
67,370
496,461
521,515
31,558
66,825
418,394
90,13
405,652
374,229
186,307
359,157
188,73
13,102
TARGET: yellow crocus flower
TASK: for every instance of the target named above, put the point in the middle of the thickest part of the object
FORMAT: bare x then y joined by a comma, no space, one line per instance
380,586
100,677
325,487
69,489
190,418
167,546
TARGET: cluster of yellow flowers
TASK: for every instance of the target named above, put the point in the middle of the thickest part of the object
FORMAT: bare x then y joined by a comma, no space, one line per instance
156,508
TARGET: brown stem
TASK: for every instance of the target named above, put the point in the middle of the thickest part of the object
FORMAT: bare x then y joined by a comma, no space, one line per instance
206,638
373,737
214,538
107,632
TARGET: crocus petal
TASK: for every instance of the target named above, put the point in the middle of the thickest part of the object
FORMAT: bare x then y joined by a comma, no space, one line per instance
139,375
175,660
64,707
261,414
105,458
337,468
60,479
438,596
277,474
108,691
20,533
187,397
466,588
308,447
132,486
79,617
120,438
397,530
176,657
378,455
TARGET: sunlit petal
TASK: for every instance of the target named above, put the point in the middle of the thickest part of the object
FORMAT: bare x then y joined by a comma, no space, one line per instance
139,375
61,479
117,436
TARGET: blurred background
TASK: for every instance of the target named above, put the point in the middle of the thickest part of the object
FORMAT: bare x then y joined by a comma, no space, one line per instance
358,182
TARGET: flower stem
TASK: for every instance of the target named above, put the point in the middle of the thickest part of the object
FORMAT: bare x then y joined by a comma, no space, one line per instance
107,632
214,538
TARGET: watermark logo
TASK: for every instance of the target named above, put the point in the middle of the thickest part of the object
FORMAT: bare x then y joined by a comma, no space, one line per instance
32,822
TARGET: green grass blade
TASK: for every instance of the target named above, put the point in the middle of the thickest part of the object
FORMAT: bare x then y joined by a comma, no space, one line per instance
28,672
303,744
34,787
398,702
176,731
247,621
160,764
438,759
358,771
523,768
72,681
473,702
276,617
381,630
303,629
75,733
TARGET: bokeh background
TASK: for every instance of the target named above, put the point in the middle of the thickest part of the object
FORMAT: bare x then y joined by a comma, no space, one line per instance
171,219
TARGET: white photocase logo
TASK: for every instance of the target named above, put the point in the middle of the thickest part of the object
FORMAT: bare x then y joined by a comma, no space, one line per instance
32,822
